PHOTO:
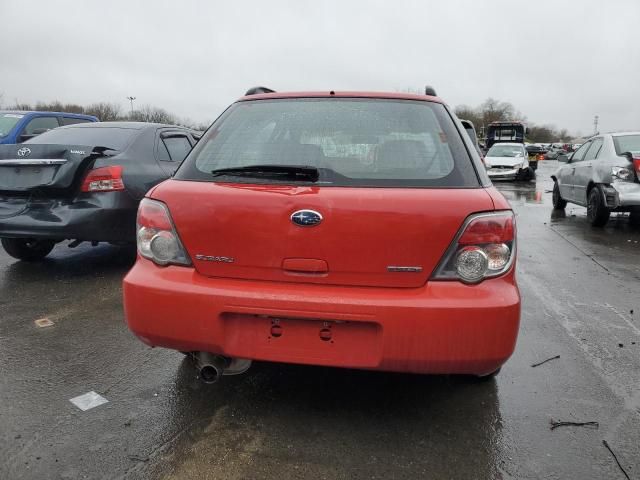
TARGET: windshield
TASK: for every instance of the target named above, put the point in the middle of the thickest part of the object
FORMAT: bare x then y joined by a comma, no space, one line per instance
505,151
627,143
110,137
8,121
355,142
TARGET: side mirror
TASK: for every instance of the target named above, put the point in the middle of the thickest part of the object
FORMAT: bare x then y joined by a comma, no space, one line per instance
563,157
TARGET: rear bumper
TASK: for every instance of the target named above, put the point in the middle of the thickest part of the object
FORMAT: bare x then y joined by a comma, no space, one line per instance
443,327
627,194
105,216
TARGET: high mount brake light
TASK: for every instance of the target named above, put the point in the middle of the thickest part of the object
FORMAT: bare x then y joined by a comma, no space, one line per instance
485,247
103,179
157,237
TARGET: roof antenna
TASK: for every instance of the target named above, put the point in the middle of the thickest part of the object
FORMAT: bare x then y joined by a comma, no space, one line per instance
429,90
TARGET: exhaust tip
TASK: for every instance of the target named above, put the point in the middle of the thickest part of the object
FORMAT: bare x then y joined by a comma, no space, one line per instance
209,374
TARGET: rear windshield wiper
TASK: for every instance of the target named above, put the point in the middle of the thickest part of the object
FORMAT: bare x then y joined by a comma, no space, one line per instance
302,173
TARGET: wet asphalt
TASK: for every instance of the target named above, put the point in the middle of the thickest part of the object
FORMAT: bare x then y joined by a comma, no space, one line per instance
581,301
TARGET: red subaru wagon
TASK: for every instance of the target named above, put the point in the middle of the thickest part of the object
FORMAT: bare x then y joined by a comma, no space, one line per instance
346,229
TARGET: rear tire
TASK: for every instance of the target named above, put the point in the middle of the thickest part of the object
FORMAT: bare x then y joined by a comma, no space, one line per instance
597,213
28,249
559,203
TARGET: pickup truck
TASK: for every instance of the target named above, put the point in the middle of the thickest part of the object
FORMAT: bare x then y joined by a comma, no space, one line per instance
19,126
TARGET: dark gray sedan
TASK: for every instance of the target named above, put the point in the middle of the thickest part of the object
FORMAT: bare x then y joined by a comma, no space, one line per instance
83,183
602,175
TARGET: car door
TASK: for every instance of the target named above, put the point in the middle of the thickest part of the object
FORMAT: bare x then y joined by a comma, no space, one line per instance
570,171
584,171
36,126
172,147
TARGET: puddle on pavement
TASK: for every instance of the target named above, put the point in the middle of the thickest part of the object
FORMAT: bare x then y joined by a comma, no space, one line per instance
521,193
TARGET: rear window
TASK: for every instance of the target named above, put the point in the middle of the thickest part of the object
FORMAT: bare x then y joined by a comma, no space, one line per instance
353,142
110,137
627,143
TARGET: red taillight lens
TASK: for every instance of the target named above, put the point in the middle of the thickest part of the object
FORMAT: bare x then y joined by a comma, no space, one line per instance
103,179
636,166
484,248
157,237
488,229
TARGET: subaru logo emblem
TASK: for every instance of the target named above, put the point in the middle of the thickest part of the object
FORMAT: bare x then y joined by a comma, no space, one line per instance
306,218
24,152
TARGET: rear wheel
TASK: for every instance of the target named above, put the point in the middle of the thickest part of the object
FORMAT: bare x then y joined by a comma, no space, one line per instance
597,212
29,249
559,203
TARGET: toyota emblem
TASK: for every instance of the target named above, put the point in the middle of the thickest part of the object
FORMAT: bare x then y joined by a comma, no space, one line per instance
24,152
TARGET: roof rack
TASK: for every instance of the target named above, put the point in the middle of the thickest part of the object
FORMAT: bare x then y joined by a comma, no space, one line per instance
429,90
257,90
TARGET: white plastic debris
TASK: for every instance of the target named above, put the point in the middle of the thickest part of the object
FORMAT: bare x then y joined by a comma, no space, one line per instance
43,322
88,401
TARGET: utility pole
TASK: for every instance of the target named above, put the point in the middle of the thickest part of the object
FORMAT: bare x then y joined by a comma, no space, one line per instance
131,99
595,125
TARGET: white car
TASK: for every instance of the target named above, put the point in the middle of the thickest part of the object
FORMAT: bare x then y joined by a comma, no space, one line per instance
508,161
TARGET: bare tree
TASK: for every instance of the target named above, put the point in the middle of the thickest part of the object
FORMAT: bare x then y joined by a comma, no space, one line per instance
106,112
148,113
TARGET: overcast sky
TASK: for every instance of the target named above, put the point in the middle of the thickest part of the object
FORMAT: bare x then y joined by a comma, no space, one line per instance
558,62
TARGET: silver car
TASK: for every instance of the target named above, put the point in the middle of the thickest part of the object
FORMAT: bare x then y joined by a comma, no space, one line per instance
602,175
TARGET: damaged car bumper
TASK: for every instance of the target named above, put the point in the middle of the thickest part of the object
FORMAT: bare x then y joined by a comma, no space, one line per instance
503,174
106,216
621,194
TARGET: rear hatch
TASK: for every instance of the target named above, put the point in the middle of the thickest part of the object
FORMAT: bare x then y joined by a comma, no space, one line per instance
393,184
368,237
27,168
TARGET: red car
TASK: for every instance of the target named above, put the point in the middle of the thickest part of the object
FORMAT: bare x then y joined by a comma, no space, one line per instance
354,230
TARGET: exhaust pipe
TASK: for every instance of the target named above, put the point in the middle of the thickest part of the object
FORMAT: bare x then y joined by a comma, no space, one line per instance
210,367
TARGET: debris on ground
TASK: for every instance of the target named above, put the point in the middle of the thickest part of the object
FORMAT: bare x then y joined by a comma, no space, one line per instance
88,401
545,361
43,322
555,424
616,459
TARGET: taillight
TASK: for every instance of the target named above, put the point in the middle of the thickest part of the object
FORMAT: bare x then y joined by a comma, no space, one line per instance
103,179
157,236
485,247
636,166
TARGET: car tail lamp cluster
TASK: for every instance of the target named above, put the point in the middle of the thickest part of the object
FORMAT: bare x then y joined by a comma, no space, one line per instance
103,179
485,247
636,165
156,235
